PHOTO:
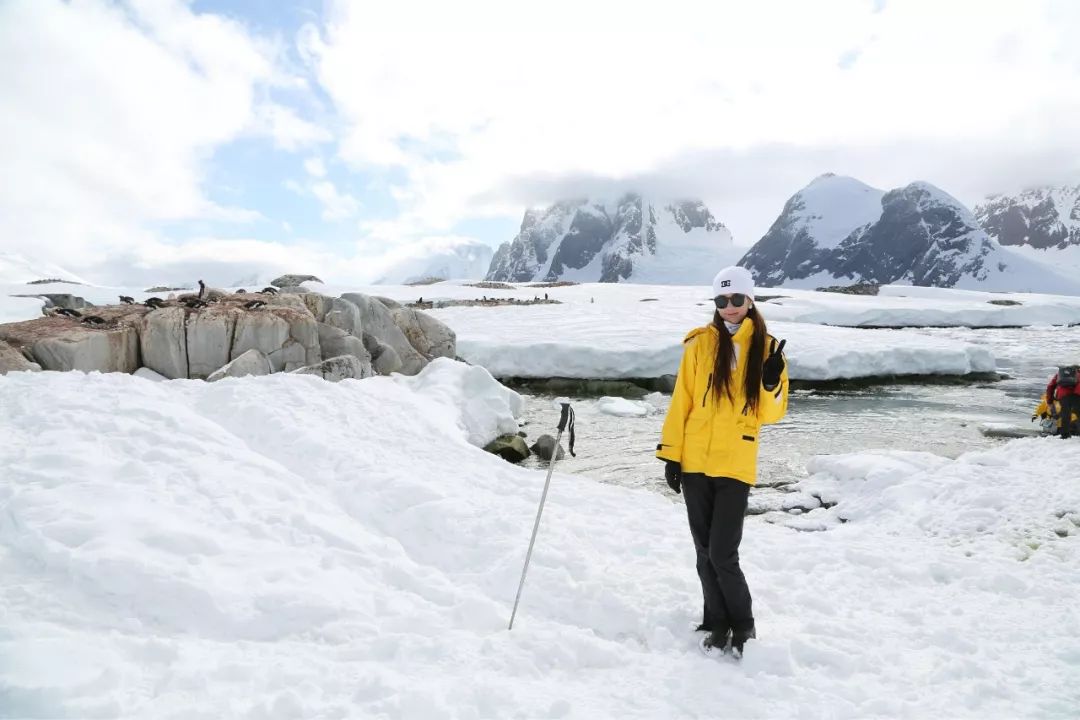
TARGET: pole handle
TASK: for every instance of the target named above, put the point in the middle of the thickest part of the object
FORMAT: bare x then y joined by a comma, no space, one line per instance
567,416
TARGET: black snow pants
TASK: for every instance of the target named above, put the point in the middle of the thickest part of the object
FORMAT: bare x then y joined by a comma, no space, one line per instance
715,508
1069,404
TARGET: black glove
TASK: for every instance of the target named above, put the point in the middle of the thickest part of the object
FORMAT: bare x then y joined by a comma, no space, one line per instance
773,367
673,475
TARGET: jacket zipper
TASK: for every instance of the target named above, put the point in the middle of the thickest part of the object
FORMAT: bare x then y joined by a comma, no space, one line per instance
708,386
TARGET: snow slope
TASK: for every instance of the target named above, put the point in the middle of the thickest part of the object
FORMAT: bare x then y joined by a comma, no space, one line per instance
440,257
284,547
18,269
833,206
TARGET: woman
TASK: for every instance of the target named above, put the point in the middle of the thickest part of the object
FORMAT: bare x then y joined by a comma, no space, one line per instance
727,388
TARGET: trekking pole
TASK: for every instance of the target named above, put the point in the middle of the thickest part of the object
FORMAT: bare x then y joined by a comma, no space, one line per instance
567,414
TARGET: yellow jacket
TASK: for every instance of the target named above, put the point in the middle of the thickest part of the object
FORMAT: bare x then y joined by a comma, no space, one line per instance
1052,409
717,438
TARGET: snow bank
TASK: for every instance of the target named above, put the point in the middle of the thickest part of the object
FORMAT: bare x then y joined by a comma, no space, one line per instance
286,547
472,400
1014,497
609,341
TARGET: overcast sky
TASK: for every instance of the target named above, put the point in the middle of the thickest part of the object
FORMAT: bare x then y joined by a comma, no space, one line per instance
162,140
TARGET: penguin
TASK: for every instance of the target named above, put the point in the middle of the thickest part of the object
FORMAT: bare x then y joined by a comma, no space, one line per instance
254,304
241,291
195,303
67,312
127,300
94,320
154,303
269,291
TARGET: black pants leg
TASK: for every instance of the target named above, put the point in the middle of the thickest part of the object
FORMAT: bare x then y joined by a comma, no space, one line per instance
715,508
1069,404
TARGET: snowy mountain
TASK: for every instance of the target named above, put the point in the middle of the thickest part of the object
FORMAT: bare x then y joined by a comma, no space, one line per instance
801,244
460,258
830,233
17,270
632,239
1040,223
1042,218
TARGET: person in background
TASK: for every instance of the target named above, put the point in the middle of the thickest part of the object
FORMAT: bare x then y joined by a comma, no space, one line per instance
1063,390
732,380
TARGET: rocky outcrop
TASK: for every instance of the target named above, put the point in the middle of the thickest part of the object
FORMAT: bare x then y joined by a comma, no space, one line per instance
60,300
251,362
511,448
163,342
377,320
336,369
545,447
427,335
336,342
210,334
384,359
288,337
61,343
293,280
286,334
12,360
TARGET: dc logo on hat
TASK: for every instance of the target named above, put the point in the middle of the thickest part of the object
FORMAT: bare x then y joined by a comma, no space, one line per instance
725,283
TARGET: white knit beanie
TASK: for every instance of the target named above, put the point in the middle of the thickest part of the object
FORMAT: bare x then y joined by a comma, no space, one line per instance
733,280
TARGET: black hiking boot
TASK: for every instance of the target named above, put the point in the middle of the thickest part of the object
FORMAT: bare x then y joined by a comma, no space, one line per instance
715,643
738,640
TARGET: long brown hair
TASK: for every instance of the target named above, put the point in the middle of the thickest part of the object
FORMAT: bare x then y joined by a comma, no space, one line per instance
725,357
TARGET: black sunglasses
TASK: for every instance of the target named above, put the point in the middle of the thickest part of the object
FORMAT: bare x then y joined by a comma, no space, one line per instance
737,300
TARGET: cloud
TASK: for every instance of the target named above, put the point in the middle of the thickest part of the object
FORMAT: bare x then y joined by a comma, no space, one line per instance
117,115
315,167
108,125
336,204
625,96
287,129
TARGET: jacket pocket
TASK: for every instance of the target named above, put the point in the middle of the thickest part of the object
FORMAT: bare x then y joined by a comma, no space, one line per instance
708,387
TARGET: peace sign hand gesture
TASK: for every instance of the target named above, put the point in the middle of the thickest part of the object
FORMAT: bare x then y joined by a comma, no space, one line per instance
773,366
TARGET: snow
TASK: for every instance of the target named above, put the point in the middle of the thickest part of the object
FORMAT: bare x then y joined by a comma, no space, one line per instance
684,258
1064,259
286,547
473,400
607,341
621,407
18,269
834,206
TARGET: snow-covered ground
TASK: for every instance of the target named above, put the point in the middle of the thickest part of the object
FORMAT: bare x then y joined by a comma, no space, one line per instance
284,547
